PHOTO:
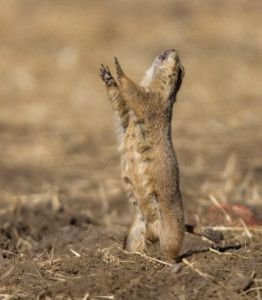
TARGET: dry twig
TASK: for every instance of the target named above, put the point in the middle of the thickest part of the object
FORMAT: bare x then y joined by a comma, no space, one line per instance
149,258
232,228
186,262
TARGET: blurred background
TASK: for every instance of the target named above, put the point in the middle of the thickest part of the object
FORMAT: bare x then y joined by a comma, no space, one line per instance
56,124
63,211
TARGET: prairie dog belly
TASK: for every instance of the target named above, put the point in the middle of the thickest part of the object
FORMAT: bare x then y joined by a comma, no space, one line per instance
137,161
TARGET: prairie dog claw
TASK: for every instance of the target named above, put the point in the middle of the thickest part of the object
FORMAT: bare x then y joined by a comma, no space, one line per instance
106,76
119,70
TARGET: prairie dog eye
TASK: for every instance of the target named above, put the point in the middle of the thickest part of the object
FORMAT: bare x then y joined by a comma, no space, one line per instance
181,71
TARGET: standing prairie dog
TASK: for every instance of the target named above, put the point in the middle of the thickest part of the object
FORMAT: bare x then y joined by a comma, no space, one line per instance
149,165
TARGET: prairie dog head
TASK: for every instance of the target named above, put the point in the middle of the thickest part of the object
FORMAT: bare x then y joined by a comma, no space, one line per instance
165,74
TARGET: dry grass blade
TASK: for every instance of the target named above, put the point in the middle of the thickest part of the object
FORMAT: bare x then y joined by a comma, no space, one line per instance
7,273
247,231
60,276
217,249
149,258
152,259
86,296
230,166
75,253
253,289
232,228
218,205
12,296
217,252
5,296
109,297
192,267
9,252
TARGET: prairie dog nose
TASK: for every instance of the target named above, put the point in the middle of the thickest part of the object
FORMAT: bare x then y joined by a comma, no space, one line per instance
165,54
169,53
174,54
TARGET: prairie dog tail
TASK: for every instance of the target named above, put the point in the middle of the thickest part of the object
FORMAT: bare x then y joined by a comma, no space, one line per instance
206,232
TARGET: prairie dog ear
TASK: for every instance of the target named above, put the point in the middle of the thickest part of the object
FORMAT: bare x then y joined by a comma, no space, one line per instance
119,70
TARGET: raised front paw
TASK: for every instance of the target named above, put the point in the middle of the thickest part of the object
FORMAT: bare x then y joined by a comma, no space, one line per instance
106,76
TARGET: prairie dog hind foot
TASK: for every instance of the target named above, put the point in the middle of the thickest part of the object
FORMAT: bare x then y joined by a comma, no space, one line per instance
136,238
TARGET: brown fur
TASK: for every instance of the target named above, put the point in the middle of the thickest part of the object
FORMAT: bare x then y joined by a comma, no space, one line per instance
149,166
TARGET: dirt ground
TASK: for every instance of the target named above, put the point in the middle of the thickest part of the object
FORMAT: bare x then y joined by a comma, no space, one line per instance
63,211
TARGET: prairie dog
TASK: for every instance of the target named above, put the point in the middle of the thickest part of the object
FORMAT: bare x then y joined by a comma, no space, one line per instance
149,165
